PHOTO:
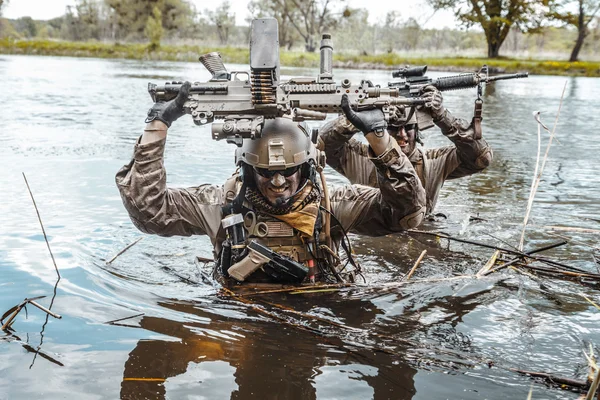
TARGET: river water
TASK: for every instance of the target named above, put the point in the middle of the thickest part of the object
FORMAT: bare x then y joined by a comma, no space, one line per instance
70,124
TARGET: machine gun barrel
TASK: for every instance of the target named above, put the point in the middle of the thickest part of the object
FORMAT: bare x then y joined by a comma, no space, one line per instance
508,76
464,81
169,91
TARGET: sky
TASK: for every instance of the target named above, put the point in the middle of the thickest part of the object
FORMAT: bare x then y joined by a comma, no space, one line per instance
418,9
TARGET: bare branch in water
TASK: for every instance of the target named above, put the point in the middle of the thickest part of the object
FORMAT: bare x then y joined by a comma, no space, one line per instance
130,245
42,225
414,268
538,171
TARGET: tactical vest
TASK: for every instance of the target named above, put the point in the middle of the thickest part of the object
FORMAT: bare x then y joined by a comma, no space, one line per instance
314,253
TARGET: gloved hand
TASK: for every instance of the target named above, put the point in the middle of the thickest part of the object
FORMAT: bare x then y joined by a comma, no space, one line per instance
433,101
366,121
171,110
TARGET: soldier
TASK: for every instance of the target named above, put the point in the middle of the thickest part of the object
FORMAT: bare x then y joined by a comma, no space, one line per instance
469,153
279,195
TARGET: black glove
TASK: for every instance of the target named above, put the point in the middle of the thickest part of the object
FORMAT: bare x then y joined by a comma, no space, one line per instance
434,101
169,111
366,121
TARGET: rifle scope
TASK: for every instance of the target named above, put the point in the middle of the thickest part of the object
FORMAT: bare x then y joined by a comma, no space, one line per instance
410,71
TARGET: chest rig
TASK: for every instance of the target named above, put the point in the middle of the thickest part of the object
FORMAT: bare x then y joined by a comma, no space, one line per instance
259,247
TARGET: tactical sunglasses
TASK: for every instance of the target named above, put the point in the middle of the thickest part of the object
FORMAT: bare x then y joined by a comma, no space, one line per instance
268,173
395,130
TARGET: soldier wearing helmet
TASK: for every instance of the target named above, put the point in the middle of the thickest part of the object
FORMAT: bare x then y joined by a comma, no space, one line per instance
276,213
468,154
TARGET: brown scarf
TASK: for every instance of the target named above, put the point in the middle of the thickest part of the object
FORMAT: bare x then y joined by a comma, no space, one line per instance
300,215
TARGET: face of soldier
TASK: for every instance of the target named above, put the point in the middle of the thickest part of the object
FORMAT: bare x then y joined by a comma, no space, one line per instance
405,136
277,186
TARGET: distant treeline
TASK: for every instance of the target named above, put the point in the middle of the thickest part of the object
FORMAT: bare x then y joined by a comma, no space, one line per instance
178,22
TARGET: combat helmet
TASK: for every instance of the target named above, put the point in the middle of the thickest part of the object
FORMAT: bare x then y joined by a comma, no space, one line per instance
283,144
402,116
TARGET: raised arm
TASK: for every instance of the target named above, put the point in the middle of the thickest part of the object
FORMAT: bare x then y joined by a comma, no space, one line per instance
345,154
470,153
154,208
399,201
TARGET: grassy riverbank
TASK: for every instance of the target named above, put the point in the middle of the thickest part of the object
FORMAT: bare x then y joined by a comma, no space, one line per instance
292,59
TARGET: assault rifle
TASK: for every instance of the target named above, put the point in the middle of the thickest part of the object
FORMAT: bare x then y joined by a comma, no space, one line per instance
413,80
243,100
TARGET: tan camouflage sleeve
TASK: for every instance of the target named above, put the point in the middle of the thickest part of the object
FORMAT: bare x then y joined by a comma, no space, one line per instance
469,155
154,208
346,155
397,204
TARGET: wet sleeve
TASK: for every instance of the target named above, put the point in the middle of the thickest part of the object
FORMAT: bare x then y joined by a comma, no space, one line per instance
397,204
470,154
155,208
346,155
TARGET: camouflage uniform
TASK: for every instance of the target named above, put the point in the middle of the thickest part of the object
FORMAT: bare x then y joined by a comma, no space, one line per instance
398,203
469,154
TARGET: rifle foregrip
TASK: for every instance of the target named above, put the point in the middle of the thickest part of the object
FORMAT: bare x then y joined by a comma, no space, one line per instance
455,82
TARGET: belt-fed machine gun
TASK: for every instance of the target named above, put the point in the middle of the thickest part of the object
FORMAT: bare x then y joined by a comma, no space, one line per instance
412,80
243,100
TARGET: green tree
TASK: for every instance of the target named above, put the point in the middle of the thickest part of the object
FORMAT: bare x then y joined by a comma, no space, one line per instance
281,12
586,11
311,18
154,29
130,17
496,17
26,26
391,26
223,19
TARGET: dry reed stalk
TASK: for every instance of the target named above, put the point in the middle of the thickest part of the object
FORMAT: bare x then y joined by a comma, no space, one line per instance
42,225
535,172
130,245
488,265
538,177
593,386
44,309
414,268
589,300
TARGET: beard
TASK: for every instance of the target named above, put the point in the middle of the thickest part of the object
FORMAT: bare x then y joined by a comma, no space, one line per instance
282,201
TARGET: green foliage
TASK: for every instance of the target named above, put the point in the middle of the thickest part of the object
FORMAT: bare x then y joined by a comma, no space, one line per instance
309,18
7,30
496,17
223,19
130,17
236,55
154,29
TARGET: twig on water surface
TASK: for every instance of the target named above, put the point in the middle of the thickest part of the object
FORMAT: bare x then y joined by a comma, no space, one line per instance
503,249
130,245
42,225
589,300
538,175
488,265
123,319
14,311
554,379
414,268
528,253
593,386
44,309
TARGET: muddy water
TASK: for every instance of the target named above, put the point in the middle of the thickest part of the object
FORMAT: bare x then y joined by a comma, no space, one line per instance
69,124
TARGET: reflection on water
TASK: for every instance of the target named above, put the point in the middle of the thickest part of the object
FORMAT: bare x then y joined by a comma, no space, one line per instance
70,125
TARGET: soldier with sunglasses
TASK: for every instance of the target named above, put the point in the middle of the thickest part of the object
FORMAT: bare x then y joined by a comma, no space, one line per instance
468,154
275,218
